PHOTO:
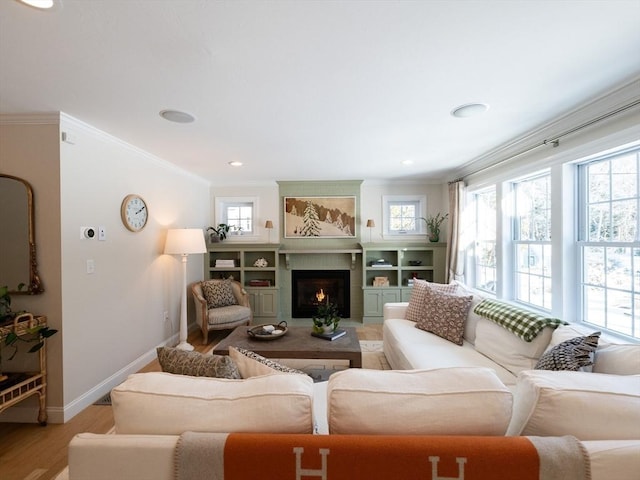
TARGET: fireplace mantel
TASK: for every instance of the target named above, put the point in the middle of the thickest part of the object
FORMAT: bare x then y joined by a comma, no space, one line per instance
320,251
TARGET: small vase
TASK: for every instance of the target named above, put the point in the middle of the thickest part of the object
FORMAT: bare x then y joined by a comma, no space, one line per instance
434,238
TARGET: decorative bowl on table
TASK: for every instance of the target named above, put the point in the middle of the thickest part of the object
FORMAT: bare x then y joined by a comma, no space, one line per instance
268,331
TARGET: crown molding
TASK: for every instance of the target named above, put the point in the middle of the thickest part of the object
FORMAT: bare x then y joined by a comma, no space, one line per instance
612,100
71,123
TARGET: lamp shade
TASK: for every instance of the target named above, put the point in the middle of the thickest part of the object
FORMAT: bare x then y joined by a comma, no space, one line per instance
268,224
371,223
185,241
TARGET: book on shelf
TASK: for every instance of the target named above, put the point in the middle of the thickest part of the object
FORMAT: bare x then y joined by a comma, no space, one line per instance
221,263
259,283
330,335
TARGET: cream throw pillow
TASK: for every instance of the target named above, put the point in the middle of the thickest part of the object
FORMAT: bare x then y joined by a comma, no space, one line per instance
589,406
443,401
158,403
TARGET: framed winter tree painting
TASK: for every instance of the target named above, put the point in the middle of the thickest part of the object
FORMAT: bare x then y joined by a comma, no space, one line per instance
320,217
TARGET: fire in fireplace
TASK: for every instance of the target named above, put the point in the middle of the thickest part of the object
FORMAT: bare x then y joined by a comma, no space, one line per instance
310,288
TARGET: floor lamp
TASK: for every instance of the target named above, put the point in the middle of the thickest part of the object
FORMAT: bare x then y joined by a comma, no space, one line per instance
185,242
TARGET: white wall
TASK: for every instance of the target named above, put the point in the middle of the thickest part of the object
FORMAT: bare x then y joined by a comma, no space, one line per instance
267,209
372,193
110,321
114,317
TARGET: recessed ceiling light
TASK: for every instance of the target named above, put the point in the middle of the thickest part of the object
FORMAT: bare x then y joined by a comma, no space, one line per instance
177,116
43,4
407,162
235,164
469,110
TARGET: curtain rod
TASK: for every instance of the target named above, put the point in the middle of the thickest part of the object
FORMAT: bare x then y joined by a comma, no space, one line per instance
555,140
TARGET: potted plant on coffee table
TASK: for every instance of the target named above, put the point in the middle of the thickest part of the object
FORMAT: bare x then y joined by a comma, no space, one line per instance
327,318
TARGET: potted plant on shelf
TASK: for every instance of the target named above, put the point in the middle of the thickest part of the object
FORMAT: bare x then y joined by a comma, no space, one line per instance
327,318
433,225
220,232
36,334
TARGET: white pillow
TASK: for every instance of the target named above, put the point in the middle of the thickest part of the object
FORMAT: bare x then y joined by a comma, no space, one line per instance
621,359
508,350
589,406
166,404
611,356
444,401
472,318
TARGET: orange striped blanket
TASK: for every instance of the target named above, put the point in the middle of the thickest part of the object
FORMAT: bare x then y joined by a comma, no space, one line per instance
244,456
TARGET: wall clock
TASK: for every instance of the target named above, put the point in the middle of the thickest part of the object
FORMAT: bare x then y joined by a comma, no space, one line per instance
134,212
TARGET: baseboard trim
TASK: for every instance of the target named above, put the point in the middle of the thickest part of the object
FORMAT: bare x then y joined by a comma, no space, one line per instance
89,398
29,413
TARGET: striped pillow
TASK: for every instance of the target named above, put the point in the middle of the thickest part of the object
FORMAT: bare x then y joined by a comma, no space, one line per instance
571,354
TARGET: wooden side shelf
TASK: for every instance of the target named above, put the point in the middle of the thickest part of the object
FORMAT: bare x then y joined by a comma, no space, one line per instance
21,385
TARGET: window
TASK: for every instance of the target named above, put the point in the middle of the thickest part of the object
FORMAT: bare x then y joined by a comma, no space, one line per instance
238,212
532,241
239,216
609,243
402,214
484,246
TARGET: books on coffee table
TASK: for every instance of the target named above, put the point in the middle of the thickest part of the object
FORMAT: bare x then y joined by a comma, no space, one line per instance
330,335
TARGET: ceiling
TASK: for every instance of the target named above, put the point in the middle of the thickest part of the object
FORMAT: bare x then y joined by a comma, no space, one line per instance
315,90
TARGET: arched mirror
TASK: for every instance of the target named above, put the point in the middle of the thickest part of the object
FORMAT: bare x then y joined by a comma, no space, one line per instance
18,265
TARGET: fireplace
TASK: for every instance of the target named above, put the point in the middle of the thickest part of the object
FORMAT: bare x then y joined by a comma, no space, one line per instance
312,287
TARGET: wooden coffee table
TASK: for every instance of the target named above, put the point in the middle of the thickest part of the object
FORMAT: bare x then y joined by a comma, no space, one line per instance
297,343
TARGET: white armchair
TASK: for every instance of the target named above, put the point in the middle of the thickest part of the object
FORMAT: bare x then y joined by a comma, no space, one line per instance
221,318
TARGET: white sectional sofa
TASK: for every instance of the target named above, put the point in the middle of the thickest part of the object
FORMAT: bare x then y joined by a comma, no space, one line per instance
487,344
485,387
152,409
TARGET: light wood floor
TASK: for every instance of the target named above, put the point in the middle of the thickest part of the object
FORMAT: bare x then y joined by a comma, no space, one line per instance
31,452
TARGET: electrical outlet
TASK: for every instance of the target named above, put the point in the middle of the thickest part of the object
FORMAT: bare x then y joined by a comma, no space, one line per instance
165,316
91,267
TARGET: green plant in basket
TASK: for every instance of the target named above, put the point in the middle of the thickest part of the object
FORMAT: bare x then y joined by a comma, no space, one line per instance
35,335
326,318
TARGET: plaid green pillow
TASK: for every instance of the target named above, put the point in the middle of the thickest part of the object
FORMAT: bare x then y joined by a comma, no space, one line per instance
525,324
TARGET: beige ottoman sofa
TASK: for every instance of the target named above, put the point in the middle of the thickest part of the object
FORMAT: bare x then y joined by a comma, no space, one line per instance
152,409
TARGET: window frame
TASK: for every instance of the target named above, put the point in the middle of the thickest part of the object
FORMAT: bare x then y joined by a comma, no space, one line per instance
532,244
584,242
419,201
222,204
477,241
